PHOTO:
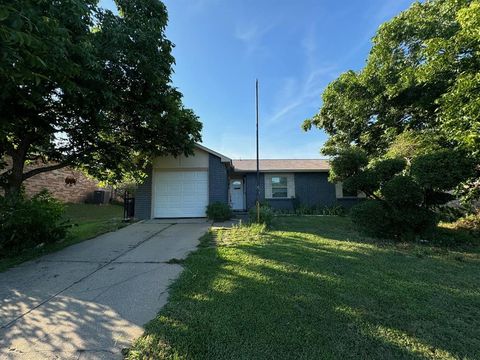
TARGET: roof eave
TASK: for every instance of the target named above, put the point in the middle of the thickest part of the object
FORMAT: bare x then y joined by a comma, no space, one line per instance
223,158
283,170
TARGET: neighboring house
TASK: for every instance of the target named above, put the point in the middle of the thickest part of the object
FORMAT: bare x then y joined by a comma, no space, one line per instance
184,186
65,184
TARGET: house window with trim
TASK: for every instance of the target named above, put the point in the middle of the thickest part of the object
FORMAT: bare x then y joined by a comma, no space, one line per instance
279,187
341,192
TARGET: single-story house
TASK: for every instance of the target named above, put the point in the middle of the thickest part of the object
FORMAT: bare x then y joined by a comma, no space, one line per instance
183,186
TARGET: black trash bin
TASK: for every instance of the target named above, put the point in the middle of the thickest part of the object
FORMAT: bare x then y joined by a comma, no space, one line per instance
99,197
128,206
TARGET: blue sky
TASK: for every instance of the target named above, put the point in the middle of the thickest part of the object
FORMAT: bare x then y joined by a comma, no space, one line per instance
294,48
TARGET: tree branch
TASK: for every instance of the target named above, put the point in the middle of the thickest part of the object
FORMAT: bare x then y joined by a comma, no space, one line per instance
40,170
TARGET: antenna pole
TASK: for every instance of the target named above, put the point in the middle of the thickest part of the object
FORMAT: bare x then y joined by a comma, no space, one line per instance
258,163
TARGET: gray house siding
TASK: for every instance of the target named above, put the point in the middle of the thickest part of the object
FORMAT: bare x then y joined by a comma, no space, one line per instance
251,189
217,180
311,189
143,198
347,203
314,189
284,204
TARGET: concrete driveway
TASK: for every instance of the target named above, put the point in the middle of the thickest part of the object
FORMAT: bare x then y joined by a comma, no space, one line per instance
90,300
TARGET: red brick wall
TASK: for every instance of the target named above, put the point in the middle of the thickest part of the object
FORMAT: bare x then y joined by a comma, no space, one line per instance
54,182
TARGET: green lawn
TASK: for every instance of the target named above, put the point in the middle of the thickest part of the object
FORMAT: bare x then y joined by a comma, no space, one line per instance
312,288
88,221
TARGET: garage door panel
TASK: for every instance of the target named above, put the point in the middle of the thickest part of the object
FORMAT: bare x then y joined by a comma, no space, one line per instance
180,193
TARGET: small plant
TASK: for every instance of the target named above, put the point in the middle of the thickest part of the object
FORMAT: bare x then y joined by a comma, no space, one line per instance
219,211
334,210
26,223
470,223
266,215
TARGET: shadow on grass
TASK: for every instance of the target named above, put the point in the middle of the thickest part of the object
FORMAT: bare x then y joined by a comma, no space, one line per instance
306,293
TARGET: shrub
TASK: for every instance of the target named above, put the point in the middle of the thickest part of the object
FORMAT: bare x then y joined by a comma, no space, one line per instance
402,191
347,162
366,181
410,223
266,215
219,211
470,223
26,223
442,170
336,210
387,168
376,218
370,217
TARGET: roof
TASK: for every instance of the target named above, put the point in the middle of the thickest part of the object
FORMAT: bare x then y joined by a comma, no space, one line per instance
271,165
223,158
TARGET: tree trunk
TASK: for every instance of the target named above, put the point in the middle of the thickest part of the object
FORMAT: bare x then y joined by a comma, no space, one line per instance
14,179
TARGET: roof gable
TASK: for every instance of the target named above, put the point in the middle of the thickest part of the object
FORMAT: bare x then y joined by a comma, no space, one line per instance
223,158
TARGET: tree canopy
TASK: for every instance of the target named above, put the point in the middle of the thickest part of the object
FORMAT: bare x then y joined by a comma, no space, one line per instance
83,86
422,75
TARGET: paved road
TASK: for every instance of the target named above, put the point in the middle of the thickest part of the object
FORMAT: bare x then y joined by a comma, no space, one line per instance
90,300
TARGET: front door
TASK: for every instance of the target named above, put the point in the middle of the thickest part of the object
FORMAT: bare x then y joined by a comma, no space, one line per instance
236,194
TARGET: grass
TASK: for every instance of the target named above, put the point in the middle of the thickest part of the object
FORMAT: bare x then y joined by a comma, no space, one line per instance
312,288
88,221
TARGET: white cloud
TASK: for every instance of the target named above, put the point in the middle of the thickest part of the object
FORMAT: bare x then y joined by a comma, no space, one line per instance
304,93
252,35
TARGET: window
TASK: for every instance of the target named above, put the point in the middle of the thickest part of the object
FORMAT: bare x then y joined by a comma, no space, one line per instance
341,192
279,187
236,184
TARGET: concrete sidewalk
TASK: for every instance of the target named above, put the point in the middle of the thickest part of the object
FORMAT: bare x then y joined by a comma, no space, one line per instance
90,300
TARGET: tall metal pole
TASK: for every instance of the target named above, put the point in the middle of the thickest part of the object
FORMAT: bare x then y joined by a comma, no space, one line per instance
258,163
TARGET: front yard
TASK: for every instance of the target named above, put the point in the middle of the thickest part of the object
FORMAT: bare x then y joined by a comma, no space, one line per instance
88,221
312,288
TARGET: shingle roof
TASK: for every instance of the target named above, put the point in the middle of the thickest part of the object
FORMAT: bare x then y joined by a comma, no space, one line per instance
269,165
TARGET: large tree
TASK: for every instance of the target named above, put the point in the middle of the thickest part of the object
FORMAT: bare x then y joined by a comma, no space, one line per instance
422,75
82,86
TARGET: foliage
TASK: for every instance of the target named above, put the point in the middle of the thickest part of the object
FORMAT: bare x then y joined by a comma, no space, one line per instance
302,209
370,216
404,197
88,221
463,231
409,144
376,218
416,99
349,161
442,170
219,211
83,86
385,169
402,192
26,223
470,223
266,214
421,75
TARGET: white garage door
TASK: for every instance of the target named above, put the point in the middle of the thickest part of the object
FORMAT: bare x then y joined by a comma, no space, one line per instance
180,194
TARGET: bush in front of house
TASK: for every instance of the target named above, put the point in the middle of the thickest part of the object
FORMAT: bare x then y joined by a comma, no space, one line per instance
405,200
219,211
266,214
26,223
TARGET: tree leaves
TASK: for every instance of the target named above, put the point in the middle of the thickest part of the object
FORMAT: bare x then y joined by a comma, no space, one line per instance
421,75
83,86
